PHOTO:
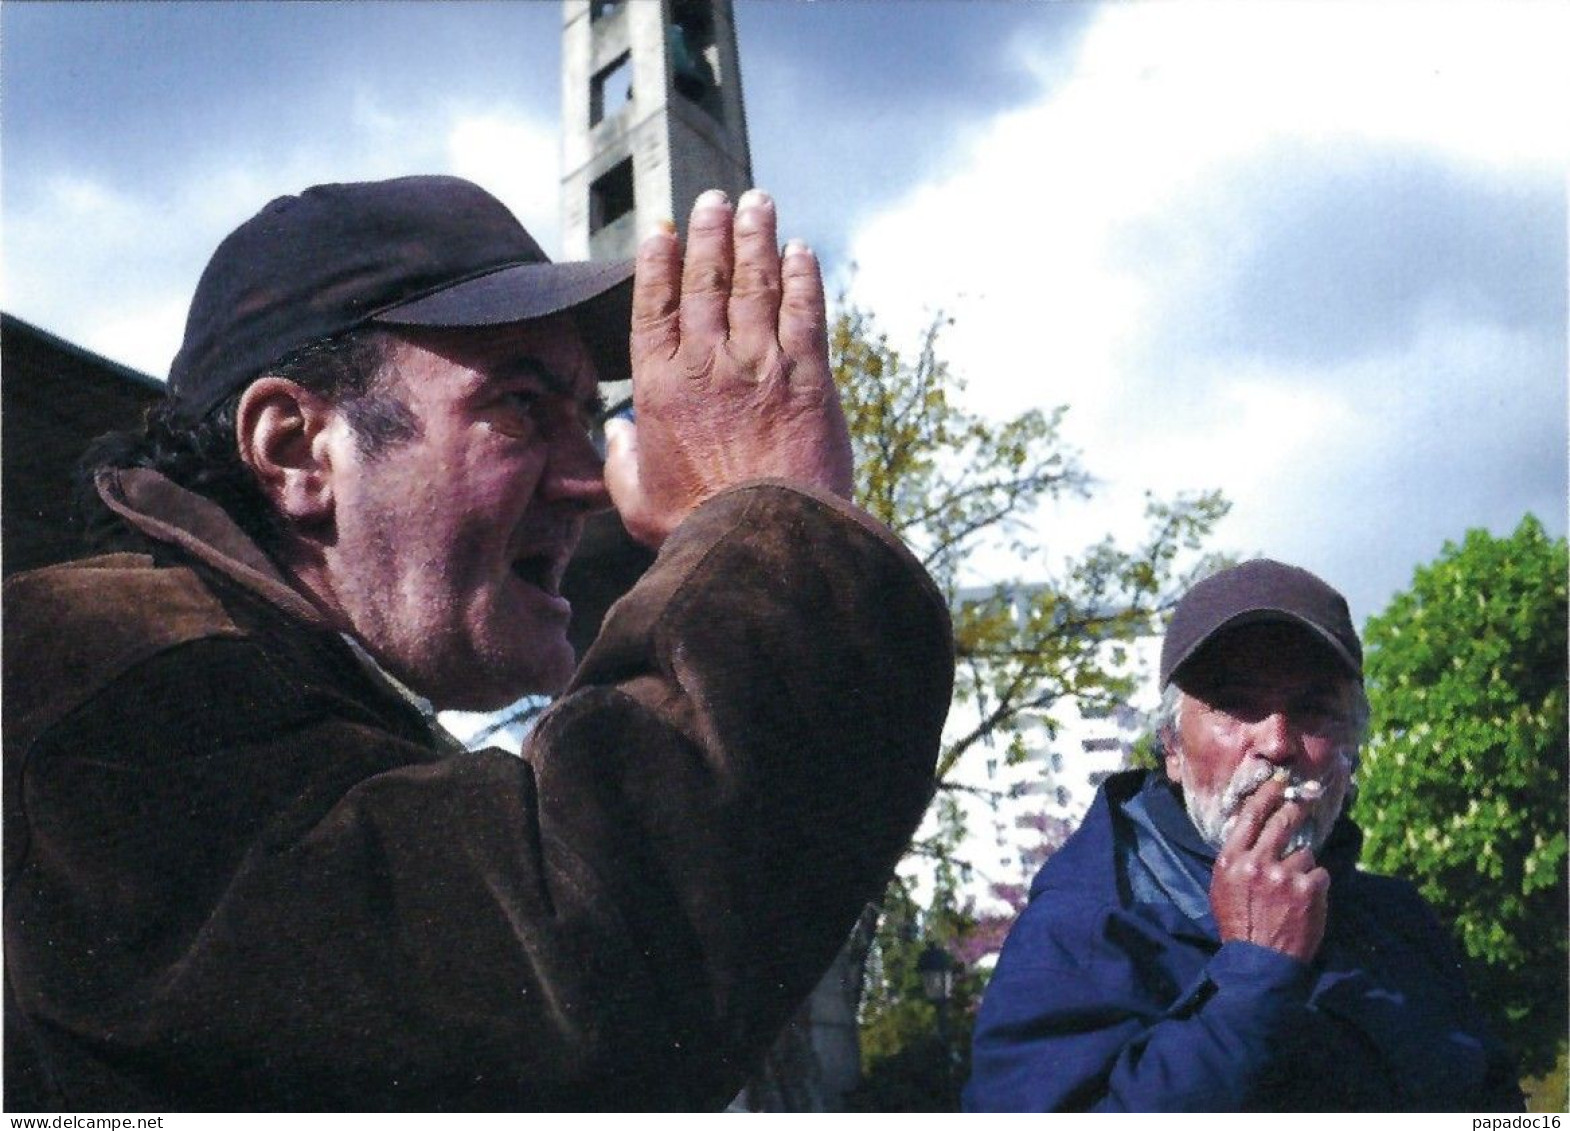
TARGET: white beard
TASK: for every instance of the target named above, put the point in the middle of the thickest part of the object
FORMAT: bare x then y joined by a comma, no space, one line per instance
1215,814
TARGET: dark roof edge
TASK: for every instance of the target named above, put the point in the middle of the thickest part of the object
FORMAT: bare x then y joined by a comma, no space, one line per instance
10,323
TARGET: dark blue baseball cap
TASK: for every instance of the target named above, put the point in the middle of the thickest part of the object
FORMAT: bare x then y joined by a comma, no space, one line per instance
1255,591
414,251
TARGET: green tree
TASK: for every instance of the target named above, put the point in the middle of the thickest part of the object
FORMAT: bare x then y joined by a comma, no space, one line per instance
958,487
913,1059
1463,779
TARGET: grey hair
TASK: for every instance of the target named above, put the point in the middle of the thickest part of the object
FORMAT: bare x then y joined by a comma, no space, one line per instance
1169,717
1358,714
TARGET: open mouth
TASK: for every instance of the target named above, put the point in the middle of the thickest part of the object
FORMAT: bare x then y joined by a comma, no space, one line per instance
543,571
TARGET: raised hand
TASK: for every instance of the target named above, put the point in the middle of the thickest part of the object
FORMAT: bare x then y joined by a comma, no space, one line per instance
731,378
1258,897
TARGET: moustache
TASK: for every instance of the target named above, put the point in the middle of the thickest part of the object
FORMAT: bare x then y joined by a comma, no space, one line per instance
1299,787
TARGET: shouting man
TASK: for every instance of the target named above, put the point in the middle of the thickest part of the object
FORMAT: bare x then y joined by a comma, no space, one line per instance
244,869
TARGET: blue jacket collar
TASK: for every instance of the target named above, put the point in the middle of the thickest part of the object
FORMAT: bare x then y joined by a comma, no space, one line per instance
1087,862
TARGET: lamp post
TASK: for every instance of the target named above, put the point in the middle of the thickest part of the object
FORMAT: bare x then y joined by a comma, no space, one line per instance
937,985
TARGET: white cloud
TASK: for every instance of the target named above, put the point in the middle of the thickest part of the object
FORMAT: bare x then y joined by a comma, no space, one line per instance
97,264
1033,239
1165,94
1056,237
518,159
113,268
1197,81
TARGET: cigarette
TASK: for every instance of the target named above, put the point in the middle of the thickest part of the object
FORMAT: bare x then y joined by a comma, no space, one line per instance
1303,791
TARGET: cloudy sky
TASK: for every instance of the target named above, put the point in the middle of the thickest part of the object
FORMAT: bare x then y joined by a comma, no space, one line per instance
1313,255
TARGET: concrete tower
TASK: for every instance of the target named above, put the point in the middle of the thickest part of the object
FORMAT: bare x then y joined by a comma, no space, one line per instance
651,114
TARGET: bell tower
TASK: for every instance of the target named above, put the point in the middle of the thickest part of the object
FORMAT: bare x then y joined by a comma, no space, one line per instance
652,115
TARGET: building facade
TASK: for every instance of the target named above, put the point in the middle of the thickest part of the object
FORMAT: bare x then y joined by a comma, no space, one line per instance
652,115
1015,802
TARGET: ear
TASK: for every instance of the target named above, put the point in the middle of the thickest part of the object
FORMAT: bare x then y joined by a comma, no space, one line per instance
1172,754
285,433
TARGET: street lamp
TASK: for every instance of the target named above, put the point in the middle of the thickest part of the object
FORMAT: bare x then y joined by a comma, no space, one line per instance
937,984
937,974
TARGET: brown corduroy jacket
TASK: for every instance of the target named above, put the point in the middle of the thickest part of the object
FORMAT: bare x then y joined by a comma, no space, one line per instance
240,873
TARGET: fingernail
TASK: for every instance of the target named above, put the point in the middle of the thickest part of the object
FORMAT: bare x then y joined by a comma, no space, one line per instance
656,242
711,198
661,234
797,247
751,210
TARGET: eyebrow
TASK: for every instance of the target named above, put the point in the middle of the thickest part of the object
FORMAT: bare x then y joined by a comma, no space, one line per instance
558,384
533,367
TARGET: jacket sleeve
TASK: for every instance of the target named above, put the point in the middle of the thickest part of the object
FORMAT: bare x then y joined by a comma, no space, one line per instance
1083,1015
280,910
1096,1007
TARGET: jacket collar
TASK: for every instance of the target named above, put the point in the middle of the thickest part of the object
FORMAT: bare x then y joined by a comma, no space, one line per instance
1338,855
168,513
1087,861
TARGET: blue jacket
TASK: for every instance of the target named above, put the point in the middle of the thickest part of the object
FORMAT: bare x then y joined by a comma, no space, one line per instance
1115,993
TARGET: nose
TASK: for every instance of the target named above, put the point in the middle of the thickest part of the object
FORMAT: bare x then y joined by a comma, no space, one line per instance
1276,739
574,472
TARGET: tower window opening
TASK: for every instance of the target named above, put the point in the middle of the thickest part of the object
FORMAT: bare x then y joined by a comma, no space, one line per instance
610,196
691,41
610,90
603,9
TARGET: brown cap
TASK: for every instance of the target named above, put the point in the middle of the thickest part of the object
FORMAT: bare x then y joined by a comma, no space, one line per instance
1260,590
413,251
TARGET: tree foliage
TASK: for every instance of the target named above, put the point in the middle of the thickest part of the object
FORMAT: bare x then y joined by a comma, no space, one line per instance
990,929
1463,780
956,486
913,1059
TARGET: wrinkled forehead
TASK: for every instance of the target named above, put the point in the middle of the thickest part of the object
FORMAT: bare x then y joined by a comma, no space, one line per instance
550,350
